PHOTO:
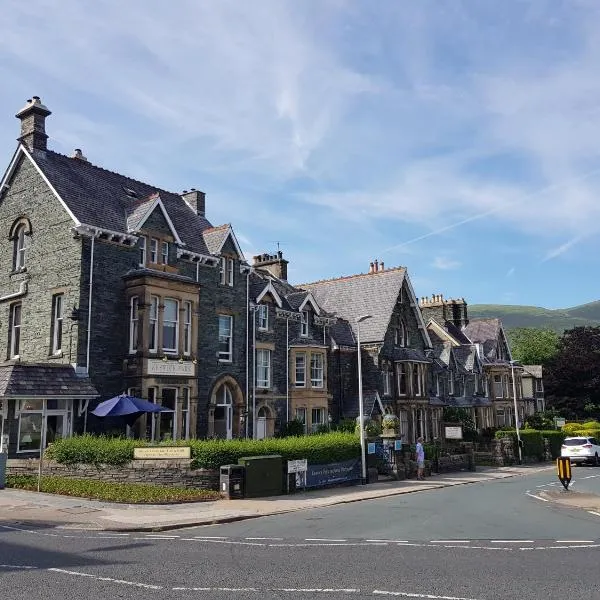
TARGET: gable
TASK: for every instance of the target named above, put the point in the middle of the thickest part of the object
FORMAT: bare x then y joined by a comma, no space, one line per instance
157,219
440,332
229,248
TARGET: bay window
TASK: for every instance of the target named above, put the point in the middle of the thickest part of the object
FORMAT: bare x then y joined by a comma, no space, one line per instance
142,251
170,327
153,250
153,324
401,375
133,324
300,379
187,328
164,255
316,370
318,417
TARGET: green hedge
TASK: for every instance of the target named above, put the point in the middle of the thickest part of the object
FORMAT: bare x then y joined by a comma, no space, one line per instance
209,454
555,438
110,491
533,442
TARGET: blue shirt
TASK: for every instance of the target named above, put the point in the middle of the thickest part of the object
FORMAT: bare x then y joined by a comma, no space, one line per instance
420,452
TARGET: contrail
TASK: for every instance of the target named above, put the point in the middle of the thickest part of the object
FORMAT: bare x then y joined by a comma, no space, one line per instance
539,192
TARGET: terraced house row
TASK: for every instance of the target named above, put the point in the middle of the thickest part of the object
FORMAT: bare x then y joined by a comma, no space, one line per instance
110,285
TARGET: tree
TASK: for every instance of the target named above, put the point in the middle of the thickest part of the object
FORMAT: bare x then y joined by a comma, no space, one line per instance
462,416
532,346
572,376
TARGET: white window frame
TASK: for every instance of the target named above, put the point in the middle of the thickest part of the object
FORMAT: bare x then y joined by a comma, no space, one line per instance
226,271
164,253
300,383
387,383
174,350
15,330
143,251
263,368
187,327
498,386
226,356
317,367
401,377
229,272
58,308
438,385
300,414
185,413
153,320
263,317
153,251
20,248
321,417
417,379
304,323
134,323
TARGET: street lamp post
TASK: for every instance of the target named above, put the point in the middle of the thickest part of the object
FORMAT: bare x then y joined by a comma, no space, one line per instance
514,383
363,460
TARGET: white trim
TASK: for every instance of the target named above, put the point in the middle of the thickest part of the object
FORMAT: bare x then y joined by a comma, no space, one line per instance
202,259
93,231
22,291
435,325
269,289
47,182
235,242
415,304
159,202
310,298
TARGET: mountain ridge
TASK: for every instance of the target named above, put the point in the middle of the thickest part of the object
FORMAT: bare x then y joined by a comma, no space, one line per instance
559,319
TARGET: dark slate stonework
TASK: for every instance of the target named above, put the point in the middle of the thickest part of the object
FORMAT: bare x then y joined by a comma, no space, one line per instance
157,223
343,383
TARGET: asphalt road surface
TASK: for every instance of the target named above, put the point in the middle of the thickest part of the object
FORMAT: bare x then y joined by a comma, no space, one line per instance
495,540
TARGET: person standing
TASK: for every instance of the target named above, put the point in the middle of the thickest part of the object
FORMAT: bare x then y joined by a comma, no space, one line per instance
420,451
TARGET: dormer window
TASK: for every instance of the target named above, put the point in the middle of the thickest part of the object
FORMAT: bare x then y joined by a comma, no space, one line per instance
153,250
142,251
164,255
304,324
263,317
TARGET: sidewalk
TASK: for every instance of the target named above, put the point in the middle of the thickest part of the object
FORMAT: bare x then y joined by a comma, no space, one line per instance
77,513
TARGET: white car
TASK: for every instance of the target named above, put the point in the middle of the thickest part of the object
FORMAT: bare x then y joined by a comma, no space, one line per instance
581,449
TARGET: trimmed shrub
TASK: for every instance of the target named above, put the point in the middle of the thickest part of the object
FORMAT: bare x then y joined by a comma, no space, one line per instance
209,454
110,491
291,428
571,428
555,438
590,425
533,443
345,426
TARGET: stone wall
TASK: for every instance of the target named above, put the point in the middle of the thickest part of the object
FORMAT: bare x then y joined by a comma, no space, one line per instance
177,473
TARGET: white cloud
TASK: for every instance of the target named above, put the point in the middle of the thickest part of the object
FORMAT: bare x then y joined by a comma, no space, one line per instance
559,250
445,264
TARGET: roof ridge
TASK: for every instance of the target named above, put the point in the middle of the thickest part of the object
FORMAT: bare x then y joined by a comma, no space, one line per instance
224,226
346,277
87,163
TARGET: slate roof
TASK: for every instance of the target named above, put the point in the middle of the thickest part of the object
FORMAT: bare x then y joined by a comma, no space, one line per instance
365,294
482,330
160,275
351,405
98,197
214,237
40,380
465,356
341,333
408,354
296,299
456,333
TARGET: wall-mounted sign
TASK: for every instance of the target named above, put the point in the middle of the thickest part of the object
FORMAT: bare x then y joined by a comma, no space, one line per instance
157,366
453,433
371,448
297,466
158,452
397,444
558,423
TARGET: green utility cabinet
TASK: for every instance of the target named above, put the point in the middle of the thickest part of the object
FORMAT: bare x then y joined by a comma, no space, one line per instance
264,475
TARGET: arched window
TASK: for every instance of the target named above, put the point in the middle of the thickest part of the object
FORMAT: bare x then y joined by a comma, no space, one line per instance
401,335
223,415
20,248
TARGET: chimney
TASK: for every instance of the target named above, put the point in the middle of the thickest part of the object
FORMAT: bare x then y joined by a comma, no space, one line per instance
375,266
371,267
33,124
196,200
273,263
381,266
78,154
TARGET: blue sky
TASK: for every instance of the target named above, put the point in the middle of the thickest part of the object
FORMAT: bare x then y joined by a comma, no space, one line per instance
459,139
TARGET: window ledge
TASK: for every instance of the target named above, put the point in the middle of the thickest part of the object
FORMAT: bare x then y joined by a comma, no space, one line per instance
55,355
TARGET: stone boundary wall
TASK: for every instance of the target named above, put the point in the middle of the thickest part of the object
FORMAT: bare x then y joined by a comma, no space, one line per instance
176,473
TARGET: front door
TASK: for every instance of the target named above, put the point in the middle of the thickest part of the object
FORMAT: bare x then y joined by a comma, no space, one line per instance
261,428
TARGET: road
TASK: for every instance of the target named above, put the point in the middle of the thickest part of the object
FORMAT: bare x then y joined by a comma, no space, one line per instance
488,541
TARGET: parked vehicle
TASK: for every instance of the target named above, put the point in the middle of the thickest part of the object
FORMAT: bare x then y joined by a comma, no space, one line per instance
581,450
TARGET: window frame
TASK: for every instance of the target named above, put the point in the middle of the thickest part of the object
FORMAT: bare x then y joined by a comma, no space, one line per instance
175,349
153,250
153,320
321,412
498,386
164,252
143,250
57,323
15,330
20,247
263,317
187,327
402,379
304,323
226,356
387,383
316,381
263,379
417,383
300,383
134,323
450,383
226,266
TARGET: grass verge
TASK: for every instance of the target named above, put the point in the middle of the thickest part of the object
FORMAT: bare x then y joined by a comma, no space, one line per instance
133,493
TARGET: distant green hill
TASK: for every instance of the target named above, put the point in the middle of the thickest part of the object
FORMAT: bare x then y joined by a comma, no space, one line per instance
513,316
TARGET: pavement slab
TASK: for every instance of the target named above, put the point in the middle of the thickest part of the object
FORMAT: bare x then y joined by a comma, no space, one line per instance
19,506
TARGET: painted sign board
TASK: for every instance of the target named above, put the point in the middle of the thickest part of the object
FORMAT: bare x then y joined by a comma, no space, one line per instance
397,444
333,473
371,448
297,466
157,366
453,433
162,452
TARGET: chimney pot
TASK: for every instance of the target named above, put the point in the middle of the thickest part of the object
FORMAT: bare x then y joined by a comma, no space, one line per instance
33,124
79,155
381,266
376,266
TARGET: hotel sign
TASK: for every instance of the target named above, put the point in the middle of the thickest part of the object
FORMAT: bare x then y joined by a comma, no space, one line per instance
157,366
158,452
